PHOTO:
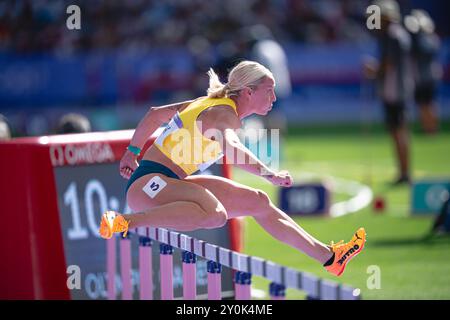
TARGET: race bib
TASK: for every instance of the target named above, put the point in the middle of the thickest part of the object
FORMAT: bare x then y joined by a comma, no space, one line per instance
154,186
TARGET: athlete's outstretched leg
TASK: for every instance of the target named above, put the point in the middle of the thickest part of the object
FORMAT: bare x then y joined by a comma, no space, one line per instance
240,200
285,229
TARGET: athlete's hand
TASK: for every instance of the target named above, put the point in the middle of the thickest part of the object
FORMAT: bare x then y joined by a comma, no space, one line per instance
282,178
128,164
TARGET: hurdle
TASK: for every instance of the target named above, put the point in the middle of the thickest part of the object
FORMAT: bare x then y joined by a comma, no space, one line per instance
243,266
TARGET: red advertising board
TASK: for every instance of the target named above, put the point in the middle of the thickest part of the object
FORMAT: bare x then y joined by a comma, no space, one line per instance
53,192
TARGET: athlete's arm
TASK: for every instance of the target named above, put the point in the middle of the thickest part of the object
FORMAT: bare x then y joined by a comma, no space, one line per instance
243,158
153,119
226,122
236,152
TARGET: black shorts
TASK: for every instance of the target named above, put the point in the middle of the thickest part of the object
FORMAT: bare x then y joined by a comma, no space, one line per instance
424,93
394,114
148,167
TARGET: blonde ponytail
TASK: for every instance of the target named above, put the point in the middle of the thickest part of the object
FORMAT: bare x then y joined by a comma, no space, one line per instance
245,74
216,88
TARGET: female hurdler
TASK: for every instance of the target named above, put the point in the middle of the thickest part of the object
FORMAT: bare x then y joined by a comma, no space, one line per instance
163,192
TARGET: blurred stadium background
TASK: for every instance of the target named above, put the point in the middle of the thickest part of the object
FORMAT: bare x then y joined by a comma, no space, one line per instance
129,55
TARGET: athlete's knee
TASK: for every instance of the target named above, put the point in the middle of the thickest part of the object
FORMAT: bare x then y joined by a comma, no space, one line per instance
263,199
216,218
201,218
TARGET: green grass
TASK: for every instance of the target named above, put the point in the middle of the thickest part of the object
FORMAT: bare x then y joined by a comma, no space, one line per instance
411,266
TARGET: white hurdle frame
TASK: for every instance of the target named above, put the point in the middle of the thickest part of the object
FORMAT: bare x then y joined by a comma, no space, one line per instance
245,267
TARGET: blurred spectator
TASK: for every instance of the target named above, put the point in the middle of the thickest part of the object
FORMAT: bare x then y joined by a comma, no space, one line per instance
257,43
5,130
264,49
73,123
394,87
426,69
139,25
260,45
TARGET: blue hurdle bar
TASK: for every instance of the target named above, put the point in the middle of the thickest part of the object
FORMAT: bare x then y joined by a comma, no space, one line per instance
245,267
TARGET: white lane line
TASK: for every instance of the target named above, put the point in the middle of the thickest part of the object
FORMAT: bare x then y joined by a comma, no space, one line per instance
361,195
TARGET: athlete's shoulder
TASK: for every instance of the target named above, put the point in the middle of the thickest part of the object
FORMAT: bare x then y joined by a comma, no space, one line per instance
225,116
216,101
